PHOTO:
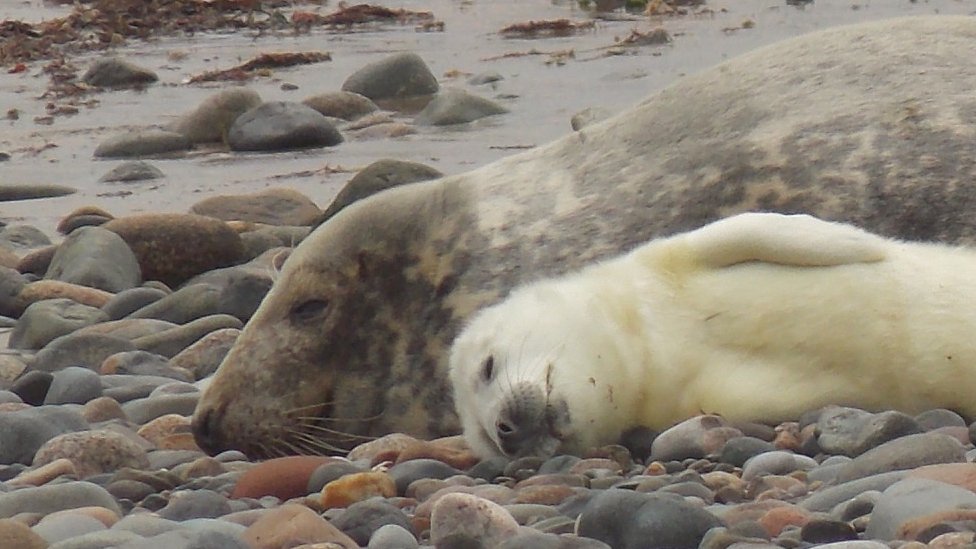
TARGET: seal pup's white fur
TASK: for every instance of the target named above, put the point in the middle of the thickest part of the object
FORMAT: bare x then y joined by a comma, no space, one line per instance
756,317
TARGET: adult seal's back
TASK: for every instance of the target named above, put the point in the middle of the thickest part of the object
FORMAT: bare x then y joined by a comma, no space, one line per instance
871,124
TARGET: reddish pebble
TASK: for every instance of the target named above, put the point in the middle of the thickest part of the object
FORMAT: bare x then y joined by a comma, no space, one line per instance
14,533
591,464
959,474
386,448
544,495
285,478
778,518
443,450
292,525
349,489
788,437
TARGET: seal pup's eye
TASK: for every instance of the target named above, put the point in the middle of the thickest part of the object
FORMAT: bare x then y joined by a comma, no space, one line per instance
488,368
309,310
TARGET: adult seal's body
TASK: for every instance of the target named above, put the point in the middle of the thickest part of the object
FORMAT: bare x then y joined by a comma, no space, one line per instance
758,317
870,124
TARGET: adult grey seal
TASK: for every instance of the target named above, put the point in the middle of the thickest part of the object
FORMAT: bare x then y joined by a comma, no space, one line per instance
756,317
871,124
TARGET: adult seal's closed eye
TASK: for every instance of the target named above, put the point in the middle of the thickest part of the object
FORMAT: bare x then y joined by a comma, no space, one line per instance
758,317
870,124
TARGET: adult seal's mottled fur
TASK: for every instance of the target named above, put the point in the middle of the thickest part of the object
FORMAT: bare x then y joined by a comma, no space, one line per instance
757,317
871,124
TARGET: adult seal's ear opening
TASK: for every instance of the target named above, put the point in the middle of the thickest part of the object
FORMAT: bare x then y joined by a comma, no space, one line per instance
870,124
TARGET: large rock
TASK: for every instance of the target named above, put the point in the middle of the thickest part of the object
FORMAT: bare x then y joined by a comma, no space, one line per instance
27,191
44,321
341,104
454,106
282,125
276,206
397,76
211,121
378,176
95,257
627,520
113,72
172,248
142,143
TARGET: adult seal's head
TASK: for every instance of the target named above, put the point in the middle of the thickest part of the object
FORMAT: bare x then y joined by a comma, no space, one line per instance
870,124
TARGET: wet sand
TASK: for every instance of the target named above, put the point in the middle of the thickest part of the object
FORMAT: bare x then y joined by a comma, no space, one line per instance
542,97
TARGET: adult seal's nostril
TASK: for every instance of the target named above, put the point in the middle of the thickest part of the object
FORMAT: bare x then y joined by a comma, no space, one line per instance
205,431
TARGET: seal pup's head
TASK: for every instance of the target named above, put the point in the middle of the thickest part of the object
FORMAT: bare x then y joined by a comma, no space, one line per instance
535,374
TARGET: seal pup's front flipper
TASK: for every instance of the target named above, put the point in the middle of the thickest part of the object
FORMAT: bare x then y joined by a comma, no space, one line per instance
795,240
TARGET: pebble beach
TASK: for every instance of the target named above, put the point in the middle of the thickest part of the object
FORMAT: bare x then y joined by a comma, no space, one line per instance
152,183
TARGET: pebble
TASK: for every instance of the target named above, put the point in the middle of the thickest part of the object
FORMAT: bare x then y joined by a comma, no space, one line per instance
464,518
275,206
24,432
396,76
132,171
172,248
96,258
204,356
456,106
144,410
21,237
737,451
362,519
776,463
79,349
26,191
628,520
53,289
128,301
142,143
285,478
851,432
46,320
391,536
341,104
212,119
281,125
16,534
48,499
93,452
73,385
693,438
170,342
910,499
113,72
190,504
906,452
292,525
357,487
378,176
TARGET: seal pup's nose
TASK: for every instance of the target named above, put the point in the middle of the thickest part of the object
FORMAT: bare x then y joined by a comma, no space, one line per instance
522,421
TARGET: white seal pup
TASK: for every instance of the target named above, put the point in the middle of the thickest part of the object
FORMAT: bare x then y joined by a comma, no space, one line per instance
757,317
